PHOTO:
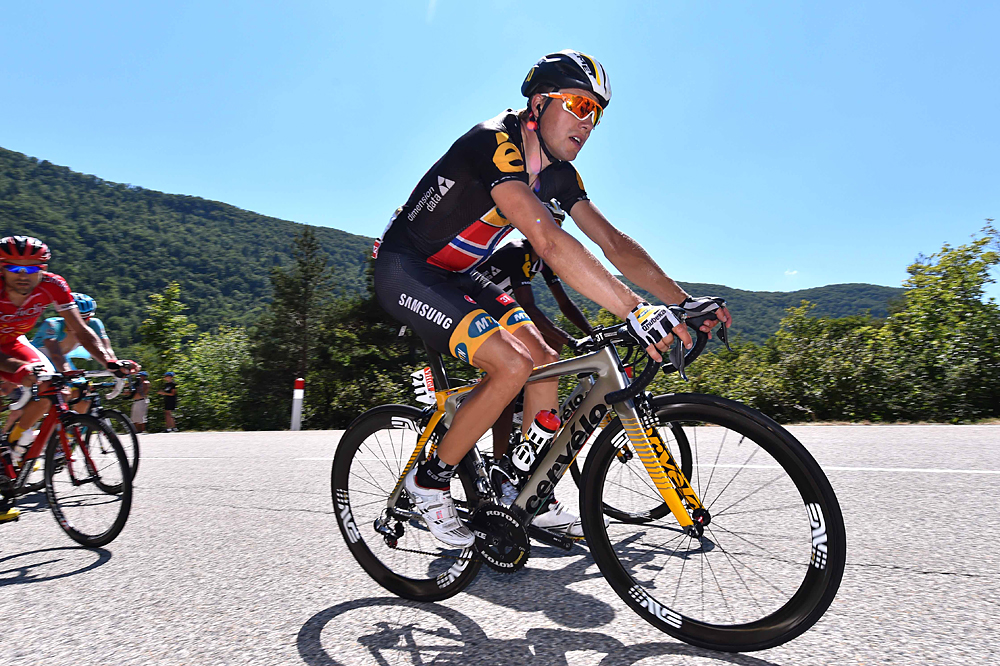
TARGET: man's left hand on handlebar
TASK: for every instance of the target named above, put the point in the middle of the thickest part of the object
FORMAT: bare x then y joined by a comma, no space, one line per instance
707,306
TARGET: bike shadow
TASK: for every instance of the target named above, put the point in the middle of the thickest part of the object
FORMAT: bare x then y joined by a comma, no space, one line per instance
37,566
392,630
543,588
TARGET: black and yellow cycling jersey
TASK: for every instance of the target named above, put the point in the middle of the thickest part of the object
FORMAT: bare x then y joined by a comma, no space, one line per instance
425,266
450,219
512,266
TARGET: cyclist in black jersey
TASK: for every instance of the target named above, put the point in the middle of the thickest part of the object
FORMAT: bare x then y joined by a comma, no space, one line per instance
492,179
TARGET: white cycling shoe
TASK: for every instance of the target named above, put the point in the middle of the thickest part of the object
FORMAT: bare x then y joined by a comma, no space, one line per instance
437,508
557,519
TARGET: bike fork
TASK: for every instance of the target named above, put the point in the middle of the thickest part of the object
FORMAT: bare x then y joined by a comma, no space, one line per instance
664,471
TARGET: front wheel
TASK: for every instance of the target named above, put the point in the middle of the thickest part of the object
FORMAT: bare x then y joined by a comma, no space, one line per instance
772,554
87,481
393,544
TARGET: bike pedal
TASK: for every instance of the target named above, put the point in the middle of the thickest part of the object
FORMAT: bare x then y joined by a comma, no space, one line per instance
545,536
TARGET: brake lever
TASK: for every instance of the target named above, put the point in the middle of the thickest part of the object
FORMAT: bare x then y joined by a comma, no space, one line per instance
698,322
676,356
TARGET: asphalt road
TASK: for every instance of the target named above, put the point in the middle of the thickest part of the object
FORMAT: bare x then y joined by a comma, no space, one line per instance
232,556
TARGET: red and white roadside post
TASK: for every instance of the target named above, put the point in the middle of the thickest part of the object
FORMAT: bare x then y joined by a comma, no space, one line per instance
297,395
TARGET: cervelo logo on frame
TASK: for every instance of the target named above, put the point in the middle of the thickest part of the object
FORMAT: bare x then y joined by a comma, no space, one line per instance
577,438
424,310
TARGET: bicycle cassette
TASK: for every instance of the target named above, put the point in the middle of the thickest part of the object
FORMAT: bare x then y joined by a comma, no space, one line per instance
501,538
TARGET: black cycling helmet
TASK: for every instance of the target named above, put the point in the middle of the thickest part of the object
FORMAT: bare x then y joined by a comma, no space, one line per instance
568,69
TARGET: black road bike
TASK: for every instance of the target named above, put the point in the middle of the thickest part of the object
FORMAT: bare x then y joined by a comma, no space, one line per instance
706,517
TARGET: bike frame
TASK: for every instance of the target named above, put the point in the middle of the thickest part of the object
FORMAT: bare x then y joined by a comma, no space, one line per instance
53,419
579,423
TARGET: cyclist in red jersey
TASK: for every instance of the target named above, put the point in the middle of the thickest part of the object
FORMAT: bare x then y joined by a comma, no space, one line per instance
27,289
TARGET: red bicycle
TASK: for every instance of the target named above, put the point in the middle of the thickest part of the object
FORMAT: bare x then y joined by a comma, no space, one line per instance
87,479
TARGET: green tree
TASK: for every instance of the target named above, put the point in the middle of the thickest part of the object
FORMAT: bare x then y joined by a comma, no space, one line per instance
212,376
285,341
163,331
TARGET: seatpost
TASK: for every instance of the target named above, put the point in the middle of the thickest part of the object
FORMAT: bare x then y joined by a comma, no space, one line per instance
437,368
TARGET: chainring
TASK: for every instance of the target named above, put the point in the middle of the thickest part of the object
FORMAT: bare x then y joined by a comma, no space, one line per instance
501,538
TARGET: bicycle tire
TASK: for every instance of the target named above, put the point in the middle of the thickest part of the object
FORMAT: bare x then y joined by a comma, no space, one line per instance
806,565
387,436
679,447
92,519
125,427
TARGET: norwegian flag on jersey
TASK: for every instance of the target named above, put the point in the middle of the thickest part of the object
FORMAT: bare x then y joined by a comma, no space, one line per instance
469,248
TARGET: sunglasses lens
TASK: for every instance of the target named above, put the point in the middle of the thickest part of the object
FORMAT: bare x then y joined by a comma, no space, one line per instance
581,107
23,269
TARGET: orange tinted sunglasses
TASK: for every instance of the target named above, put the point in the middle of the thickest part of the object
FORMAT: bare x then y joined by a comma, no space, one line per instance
579,106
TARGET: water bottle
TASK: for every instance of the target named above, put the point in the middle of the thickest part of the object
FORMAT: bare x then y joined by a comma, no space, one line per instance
541,432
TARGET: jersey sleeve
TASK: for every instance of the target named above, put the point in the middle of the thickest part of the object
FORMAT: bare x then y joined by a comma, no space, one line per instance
47,331
549,275
58,292
569,187
493,156
97,326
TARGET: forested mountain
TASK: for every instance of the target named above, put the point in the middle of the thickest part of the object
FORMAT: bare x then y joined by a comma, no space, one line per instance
756,313
119,243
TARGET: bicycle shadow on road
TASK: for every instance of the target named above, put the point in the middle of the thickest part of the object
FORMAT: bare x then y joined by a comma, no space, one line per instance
393,630
47,564
542,589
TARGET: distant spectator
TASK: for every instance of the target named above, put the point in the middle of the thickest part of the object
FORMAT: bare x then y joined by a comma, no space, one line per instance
169,392
140,401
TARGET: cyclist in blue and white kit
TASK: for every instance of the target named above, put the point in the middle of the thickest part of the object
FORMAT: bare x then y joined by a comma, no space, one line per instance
55,341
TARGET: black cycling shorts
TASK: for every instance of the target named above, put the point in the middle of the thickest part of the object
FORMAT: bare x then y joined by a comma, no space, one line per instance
453,312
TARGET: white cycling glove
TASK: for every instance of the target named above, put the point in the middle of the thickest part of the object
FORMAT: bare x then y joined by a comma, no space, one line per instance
650,323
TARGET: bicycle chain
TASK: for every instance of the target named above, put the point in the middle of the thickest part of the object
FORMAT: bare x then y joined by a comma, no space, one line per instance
422,552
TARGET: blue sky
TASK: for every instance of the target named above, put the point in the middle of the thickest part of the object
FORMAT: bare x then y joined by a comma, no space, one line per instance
766,146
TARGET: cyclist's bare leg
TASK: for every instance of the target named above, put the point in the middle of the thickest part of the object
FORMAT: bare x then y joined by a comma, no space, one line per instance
507,363
542,394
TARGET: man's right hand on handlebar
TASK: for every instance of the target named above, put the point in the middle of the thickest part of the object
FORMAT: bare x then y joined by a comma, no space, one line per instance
27,374
124,368
655,326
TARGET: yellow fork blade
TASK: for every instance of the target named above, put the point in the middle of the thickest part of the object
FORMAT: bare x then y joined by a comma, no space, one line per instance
663,471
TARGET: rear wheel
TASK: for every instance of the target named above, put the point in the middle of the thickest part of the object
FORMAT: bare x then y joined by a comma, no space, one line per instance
394,545
87,481
771,557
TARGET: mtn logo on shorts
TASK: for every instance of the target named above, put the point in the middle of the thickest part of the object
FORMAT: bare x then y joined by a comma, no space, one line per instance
444,185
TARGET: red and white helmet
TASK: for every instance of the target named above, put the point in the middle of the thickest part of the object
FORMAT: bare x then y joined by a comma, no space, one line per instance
23,250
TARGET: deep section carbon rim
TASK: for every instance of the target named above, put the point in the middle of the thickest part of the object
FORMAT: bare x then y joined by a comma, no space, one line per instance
768,564
394,547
